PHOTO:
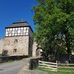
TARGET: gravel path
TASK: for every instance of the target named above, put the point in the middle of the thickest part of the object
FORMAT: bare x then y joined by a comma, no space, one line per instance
25,69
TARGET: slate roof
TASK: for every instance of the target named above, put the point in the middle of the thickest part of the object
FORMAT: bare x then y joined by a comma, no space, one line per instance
19,24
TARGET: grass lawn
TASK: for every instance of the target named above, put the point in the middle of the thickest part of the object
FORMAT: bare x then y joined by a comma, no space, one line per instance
54,72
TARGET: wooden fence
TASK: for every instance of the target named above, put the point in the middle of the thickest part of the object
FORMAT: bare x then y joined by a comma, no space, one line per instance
66,67
48,65
56,66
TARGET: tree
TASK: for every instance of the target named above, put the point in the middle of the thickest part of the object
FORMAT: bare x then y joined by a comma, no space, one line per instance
67,7
54,25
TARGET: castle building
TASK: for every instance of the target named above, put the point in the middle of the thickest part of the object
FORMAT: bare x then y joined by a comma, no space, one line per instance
18,40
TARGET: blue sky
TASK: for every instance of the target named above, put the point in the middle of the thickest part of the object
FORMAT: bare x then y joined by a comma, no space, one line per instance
14,10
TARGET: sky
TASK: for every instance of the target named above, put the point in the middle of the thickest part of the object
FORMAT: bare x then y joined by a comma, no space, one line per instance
14,10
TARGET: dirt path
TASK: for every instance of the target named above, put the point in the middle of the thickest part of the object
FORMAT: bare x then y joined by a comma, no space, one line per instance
25,69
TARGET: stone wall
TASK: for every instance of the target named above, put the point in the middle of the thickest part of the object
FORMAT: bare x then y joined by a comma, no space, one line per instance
1,45
16,45
34,49
24,45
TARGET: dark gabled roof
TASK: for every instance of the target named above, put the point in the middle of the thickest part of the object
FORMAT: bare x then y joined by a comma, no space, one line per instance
19,24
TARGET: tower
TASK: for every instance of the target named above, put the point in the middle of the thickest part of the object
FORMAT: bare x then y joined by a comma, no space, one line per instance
18,39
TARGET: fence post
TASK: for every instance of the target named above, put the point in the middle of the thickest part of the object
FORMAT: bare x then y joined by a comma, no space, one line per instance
33,64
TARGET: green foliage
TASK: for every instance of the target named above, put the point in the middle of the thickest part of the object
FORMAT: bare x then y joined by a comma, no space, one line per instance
54,20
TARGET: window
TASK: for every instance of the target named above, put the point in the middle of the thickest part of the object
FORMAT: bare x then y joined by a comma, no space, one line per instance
15,50
15,31
26,29
9,34
10,29
7,29
16,41
6,33
18,30
26,33
21,28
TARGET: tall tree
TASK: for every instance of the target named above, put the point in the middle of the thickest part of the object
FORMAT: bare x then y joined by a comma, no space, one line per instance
54,25
67,7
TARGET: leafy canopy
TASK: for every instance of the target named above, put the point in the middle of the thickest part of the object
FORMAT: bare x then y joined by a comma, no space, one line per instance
54,21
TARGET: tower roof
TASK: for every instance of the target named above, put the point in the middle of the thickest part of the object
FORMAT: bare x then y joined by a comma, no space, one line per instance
19,24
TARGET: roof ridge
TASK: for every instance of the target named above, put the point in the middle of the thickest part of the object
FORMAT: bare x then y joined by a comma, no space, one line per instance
21,21
19,24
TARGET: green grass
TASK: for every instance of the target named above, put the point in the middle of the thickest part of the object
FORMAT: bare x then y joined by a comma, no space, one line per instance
54,72
66,69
